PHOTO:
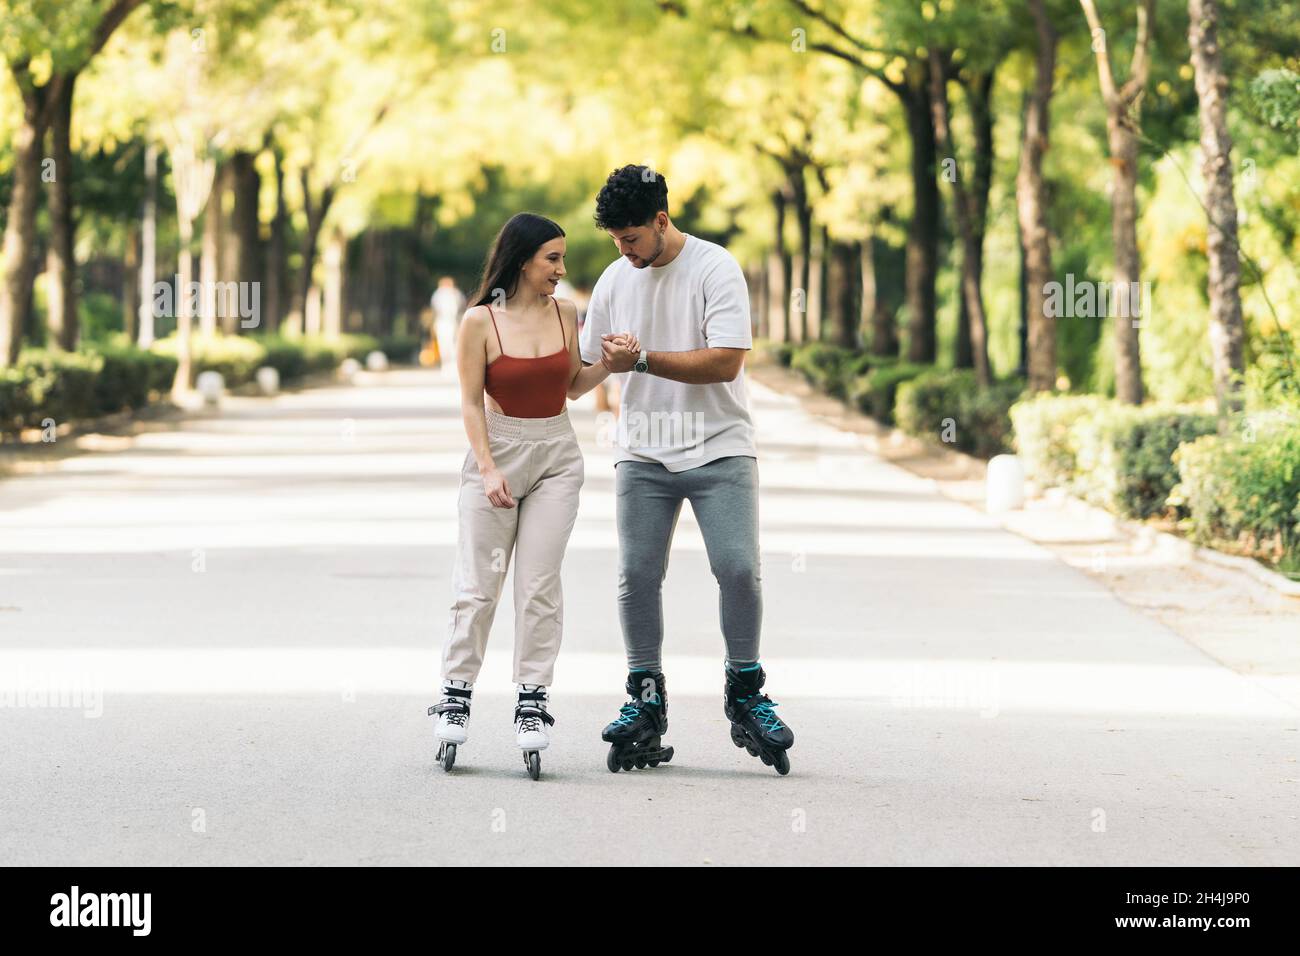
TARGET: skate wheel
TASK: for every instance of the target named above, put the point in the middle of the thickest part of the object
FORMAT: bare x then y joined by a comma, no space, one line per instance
667,755
737,737
627,764
654,763
534,761
752,752
766,759
448,756
782,763
611,760
640,763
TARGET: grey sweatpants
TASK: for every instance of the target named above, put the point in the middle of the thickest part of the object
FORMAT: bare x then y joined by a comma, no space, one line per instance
724,496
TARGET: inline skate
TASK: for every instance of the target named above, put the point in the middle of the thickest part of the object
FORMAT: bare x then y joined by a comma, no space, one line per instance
754,724
634,736
452,729
531,721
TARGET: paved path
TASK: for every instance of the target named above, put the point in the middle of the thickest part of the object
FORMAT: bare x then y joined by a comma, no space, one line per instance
239,621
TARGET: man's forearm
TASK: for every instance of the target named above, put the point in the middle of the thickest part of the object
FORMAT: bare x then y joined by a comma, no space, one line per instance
698,366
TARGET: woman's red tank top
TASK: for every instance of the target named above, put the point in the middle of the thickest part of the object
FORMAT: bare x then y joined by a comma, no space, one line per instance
529,387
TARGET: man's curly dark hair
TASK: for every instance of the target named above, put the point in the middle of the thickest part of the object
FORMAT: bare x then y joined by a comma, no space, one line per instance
631,197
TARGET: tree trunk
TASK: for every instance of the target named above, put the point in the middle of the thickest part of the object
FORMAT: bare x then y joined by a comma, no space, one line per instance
978,89
210,256
817,284
61,267
332,306
1122,129
148,247
778,273
273,303
1226,331
881,319
245,258
316,212
923,230
842,326
1128,367
803,259
970,285
184,380
131,281
16,260
1031,210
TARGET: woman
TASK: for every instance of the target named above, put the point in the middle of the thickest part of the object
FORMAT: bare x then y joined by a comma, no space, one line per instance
517,354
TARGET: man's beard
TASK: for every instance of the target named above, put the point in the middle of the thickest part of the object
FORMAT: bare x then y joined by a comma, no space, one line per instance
659,251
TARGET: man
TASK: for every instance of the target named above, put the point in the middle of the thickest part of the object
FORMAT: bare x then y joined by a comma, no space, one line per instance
684,435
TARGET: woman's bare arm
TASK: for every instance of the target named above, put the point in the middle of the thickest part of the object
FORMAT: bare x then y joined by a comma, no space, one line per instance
471,362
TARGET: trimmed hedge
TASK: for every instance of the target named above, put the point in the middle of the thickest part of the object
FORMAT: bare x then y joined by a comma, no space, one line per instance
98,380
112,375
1041,425
1242,492
981,423
874,391
820,363
1114,455
1125,455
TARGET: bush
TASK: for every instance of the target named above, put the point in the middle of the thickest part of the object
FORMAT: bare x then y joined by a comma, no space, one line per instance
980,417
286,356
60,385
1041,426
1243,492
874,392
821,364
15,399
1124,455
129,375
236,357
401,348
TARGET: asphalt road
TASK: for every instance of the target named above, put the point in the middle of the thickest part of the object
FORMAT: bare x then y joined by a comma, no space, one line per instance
218,644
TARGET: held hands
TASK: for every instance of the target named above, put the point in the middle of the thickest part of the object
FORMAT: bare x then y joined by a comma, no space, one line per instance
620,351
494,486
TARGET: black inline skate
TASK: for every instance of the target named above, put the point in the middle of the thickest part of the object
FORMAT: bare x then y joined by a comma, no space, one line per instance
635,735
754,724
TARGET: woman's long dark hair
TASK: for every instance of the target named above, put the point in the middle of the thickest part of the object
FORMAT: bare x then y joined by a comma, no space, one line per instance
516,243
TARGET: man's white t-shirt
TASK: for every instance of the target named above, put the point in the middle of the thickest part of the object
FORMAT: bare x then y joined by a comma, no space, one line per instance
699,300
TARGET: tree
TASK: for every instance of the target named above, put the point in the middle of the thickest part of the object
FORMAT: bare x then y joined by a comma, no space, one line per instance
1227,332
940,63
1031,207
46,43
1123,127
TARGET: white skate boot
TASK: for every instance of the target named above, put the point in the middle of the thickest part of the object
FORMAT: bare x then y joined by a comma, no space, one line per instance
452,728
531,721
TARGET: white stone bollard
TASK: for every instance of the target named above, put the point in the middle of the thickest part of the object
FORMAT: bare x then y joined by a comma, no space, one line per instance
268,380
376,361
1004,484
348,368
210,385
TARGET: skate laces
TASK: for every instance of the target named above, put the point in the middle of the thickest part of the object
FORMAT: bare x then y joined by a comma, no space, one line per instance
529,723
632,709
457,717
764,713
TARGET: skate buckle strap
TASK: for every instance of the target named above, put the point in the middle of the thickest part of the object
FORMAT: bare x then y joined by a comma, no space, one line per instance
448,707
522,711
457,692
532,695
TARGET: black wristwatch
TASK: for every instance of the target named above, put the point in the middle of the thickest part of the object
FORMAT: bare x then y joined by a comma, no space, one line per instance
642,365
